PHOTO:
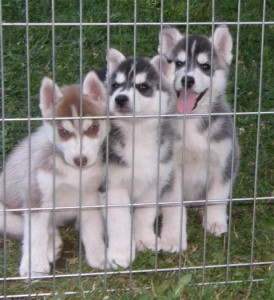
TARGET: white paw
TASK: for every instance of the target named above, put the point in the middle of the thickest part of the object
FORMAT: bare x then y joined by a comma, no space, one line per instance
147,243
146,240
96,258
173,245
216,227
54,253
215,219
39,266
118,257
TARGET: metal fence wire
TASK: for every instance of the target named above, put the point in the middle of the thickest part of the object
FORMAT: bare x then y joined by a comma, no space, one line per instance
65,41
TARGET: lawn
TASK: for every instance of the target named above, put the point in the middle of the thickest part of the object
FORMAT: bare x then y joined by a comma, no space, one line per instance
67,52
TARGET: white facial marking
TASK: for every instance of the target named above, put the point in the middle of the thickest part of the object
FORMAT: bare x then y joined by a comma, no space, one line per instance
74,115
120,78
80,145
86,124
74,111
202,58
182,56
193,49
140,78
66,124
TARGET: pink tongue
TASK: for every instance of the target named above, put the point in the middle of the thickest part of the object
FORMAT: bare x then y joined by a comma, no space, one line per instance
186,102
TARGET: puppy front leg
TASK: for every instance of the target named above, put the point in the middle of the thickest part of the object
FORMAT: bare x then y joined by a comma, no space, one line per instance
173,234
34,260
121,245
93,236
144,218
55,244
215,215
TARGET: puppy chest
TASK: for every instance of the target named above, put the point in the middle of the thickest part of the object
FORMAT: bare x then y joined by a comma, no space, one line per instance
141,164
140,152
70,188
144,166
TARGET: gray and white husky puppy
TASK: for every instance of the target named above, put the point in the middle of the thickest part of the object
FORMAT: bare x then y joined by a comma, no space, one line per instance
43,173
140,151
207,149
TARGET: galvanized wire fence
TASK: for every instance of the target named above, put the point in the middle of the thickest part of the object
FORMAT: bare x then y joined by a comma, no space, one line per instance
238,257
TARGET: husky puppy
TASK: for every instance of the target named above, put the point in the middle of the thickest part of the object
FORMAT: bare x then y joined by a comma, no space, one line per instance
136,173
47,170
206,151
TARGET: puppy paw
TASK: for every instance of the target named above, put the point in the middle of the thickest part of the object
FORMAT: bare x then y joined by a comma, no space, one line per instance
54,248
215,219
147,243
173,245
39,266
96,258
120,258
216,228
146,240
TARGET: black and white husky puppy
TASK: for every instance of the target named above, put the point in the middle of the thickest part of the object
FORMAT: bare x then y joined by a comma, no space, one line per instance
43,173
207,149
140,150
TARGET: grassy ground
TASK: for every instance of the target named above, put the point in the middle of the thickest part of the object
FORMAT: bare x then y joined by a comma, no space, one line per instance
234,248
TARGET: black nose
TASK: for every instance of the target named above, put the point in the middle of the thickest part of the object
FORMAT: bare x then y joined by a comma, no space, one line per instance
80,161
187,81
121,100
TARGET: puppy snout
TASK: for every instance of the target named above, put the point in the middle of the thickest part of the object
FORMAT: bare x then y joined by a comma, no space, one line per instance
188,81
121,100
80,161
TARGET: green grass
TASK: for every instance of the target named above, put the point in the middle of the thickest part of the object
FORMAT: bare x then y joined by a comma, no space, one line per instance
161,285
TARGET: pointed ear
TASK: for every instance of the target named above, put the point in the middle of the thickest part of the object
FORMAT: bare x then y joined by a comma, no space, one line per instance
168,39
93,87
114,58
50,94
222,42
165,68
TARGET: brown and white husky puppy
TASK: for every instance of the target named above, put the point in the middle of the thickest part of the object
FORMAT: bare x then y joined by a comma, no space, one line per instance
58,166
207,149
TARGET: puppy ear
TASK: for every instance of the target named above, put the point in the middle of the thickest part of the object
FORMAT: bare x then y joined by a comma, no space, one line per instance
165,68
50,94
114,58
222,42
93,87
168,39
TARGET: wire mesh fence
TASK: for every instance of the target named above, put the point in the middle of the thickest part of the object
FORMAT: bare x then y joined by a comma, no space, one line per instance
66,41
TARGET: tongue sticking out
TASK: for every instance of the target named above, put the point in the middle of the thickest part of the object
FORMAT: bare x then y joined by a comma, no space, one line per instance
186,102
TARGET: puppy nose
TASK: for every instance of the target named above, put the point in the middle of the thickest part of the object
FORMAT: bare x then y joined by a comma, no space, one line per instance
188,81
121,100
80,161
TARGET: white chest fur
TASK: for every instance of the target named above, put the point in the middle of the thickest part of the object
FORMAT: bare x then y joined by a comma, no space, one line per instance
201,158
69,186
140,154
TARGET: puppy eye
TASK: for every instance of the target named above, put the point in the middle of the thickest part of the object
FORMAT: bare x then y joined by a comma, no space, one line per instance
115,85
142,87
93,129
205,67
179,63
64,134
